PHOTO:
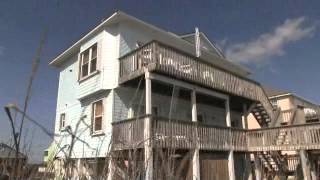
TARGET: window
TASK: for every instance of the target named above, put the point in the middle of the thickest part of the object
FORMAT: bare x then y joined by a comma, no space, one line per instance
200,118
97,116
46,153
274,103
155,111
62,120
88,61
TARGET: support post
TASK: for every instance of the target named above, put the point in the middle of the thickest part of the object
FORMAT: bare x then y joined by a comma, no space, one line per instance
313,168
305,165
245,123
195,158
231,153
79,167
111,169
148,151
257,165
245,117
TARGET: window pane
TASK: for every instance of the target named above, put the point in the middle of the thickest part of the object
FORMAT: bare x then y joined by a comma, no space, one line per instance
98,124
98,108
84,70
62,120
155,111
85,58
94,51
200,118
93,66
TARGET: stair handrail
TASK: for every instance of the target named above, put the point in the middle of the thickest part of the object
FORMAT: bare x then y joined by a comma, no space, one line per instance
278,118
293,117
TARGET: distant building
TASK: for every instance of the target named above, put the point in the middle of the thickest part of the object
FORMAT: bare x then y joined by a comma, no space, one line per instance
8,154
10,160
293,108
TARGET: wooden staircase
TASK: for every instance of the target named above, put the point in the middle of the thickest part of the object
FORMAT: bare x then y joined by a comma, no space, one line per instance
274,161
261,115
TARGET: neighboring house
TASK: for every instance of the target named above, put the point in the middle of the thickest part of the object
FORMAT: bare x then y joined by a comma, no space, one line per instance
8,154
291,104
130,87
293,110
9,159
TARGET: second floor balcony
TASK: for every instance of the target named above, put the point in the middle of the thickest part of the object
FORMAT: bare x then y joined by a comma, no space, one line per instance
163,59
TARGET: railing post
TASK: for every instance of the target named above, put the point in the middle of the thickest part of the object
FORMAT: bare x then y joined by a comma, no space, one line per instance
195,158
231,153
148,151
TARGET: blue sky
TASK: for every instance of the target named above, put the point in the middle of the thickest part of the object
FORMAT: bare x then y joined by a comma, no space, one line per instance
278,40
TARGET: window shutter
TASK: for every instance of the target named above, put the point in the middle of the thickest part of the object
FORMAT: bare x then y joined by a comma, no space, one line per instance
92,119
103,116
79,66
99,54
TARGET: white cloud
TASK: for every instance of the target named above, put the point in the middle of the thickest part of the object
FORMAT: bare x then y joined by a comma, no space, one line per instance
270,44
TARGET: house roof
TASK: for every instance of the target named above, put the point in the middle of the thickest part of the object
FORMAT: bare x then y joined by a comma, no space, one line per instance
7,152
120,16
270,91
277,93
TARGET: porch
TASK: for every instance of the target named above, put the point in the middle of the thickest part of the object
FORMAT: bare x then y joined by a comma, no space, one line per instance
166,133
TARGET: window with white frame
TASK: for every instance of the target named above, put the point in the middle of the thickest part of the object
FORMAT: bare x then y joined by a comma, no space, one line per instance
88,61
97,116
62,121
274,103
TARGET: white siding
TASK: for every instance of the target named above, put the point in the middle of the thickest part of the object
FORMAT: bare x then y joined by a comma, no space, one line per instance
94,83
79,118
75,98
110,53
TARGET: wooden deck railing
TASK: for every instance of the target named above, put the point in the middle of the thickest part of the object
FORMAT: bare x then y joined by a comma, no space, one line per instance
188,135
293,162
128,134
158,57
294,137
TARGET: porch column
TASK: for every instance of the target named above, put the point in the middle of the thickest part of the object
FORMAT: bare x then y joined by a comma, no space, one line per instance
195,158
304,158
245,126
231,153
148,152
305,165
